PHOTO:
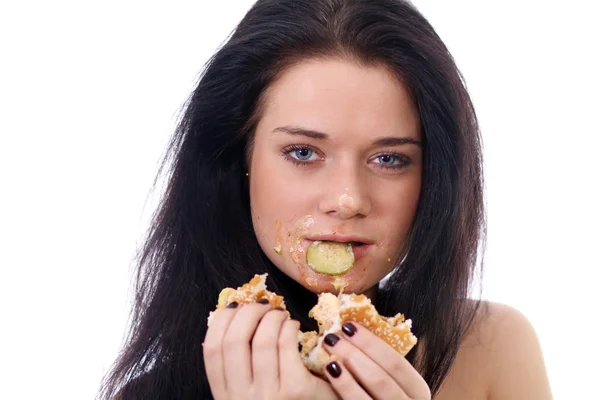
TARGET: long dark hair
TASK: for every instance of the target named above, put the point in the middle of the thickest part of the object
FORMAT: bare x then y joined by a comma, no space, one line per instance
201,238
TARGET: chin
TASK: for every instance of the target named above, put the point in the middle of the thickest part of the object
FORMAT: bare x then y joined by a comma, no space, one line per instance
356,281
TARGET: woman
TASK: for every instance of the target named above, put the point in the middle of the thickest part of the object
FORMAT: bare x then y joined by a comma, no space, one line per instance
341,120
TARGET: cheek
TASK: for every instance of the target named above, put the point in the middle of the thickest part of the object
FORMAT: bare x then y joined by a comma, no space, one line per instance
401,205
275,188
274,200
267,193
263,206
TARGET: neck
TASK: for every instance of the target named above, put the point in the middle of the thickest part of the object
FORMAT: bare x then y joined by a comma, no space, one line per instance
371,292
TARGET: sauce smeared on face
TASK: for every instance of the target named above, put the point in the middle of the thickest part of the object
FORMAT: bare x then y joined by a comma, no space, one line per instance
277,247
346,202
312,282
339,284
294,241
301,228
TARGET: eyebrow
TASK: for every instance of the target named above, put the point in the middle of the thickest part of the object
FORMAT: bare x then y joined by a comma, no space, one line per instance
396,141
380,141
296,131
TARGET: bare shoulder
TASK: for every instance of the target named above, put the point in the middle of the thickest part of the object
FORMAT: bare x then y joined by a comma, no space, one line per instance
517,362
500,358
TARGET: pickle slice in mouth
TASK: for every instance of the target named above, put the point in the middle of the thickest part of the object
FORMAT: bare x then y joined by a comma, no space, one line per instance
330,258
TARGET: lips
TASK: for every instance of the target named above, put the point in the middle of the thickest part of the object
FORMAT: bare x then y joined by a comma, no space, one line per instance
360,250
341,238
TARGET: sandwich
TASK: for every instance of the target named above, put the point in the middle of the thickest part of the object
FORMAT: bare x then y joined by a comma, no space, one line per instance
330,312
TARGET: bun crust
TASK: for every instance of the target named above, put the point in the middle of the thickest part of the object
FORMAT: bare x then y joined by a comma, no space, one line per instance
394,330
248,293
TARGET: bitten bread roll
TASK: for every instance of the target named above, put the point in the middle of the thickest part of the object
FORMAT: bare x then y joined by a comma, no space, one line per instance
331,312
249,293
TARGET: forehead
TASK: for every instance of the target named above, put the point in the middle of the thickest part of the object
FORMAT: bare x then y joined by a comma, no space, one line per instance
341,97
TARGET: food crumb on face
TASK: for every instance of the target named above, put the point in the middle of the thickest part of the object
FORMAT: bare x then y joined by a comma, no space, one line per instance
311,281
277,247
297,254
389,260
340,284
346,202
304,223
302,227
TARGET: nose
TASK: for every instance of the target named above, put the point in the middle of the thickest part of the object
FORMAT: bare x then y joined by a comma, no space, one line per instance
346,195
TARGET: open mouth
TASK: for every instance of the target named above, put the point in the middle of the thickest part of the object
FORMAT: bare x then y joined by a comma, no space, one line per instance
360,249
357,244
351,243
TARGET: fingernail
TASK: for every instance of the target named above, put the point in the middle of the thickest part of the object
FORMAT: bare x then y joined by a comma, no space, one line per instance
263,301
233,304
349,329
299,346
334,369
331,339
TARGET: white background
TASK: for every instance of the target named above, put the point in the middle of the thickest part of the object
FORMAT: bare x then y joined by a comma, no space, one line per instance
89,94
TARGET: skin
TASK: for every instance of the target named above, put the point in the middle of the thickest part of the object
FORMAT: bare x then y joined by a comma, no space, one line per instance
346,183
340,186
500,358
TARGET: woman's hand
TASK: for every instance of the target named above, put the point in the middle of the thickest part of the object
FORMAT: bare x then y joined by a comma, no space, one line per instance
368,368
251,352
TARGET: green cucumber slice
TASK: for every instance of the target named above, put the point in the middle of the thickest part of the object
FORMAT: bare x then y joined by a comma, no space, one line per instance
330,258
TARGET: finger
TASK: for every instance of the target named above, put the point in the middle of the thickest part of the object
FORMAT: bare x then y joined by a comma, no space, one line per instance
343,382
236,348
212,350
265,354
291,367
374,379
396,366
295,379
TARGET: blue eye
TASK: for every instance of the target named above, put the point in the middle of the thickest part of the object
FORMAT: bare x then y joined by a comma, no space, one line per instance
387,159
391,161
303,154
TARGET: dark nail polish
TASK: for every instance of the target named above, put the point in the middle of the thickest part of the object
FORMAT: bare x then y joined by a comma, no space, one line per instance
349,329
334,369
263,301
331,339
233,304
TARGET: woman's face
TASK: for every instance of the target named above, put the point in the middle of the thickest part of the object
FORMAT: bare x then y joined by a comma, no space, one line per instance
336,156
